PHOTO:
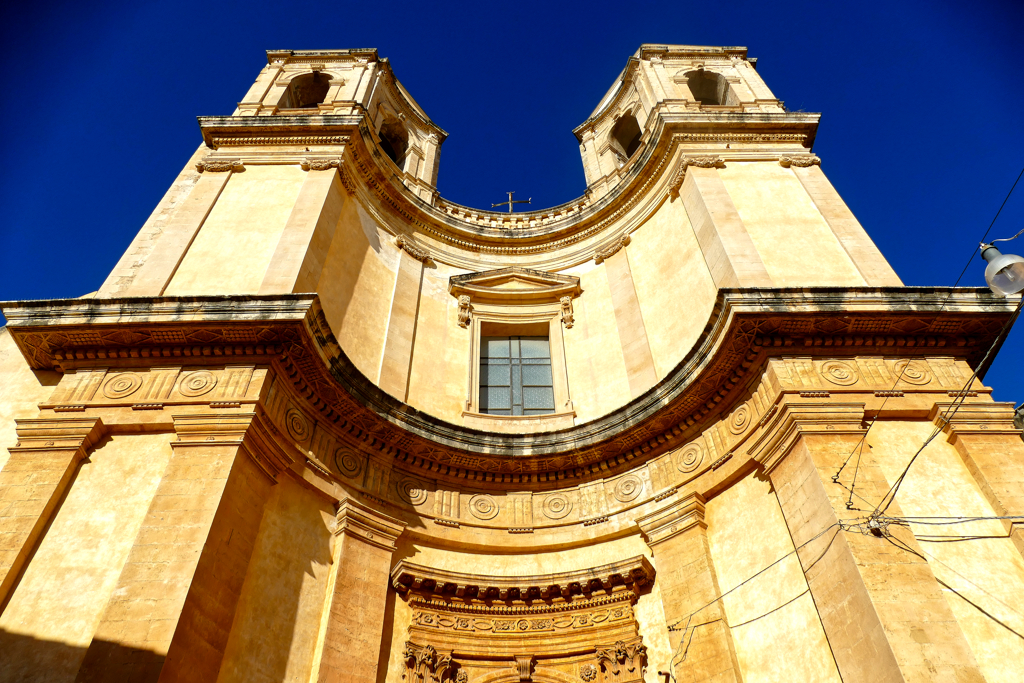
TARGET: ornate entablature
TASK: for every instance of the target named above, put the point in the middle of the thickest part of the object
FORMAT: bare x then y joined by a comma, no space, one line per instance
569,625
317,388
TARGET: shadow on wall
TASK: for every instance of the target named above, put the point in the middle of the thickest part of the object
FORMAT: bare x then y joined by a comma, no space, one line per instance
26,659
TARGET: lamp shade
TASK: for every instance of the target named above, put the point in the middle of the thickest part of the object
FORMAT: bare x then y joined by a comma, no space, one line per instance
1004,272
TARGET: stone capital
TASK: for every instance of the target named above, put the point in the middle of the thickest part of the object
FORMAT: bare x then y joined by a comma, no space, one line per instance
675,518
974,418
793,420
58,434
358,521
246,431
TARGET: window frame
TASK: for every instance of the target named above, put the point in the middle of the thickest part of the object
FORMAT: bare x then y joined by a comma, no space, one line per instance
533,305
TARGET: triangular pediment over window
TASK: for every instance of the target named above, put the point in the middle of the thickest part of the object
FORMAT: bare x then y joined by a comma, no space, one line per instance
514,284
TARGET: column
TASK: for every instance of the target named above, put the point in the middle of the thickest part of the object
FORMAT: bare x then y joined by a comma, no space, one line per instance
678,538
250,104
728,250
636,350
883,612
33,482
873,267
153,276
302,250
985,437
175,600
401,334
356,622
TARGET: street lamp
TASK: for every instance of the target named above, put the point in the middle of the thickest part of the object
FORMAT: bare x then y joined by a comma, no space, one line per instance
1004,272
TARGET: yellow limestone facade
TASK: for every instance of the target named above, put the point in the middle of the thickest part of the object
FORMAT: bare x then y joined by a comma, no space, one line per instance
262,450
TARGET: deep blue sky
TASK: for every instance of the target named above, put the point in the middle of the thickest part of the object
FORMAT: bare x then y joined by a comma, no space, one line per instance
921,131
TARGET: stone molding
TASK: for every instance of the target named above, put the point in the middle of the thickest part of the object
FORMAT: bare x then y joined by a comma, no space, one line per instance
632,573
57,434
673,519
489,232
291,333
793,420
359,521
975,418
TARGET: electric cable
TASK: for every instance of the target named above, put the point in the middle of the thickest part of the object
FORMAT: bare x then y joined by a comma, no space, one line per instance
859,448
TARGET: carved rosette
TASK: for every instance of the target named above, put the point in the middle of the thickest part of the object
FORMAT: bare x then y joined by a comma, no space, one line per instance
689,457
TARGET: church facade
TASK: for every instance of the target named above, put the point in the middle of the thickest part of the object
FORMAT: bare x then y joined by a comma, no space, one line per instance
322,425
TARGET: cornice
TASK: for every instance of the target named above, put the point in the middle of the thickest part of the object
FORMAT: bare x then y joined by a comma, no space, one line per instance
409,577
746,327
473,234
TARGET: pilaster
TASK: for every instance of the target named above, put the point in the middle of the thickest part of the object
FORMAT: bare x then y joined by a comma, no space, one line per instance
175,600
677,534
170,247
884,613
401,335
355,626
873,267
32,483
728,250
990,444
636,349
302,250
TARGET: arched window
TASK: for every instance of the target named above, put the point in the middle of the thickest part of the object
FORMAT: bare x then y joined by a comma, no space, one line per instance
394,140
625,136
307,91
710,88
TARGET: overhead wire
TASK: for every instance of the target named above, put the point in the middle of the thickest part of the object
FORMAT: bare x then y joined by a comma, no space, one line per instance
859,447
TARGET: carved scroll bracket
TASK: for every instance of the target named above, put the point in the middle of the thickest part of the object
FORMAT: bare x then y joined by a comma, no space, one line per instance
407,245
322,164
465,310
219,165
685,163
566,305
800,162
604,254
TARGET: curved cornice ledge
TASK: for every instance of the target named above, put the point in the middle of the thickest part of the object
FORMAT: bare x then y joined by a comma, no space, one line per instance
745,327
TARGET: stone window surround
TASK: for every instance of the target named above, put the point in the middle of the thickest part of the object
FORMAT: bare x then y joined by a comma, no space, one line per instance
549,314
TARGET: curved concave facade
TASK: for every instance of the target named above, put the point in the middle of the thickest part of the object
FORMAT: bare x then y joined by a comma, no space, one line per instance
320,424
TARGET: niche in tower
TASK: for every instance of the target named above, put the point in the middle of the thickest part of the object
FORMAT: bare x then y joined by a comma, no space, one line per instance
710,88
394,139
307,91
625,137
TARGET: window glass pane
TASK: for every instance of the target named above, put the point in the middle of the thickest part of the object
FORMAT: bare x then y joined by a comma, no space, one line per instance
535,347
536,375
515,376
535,398
494,375
494,347
494,398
